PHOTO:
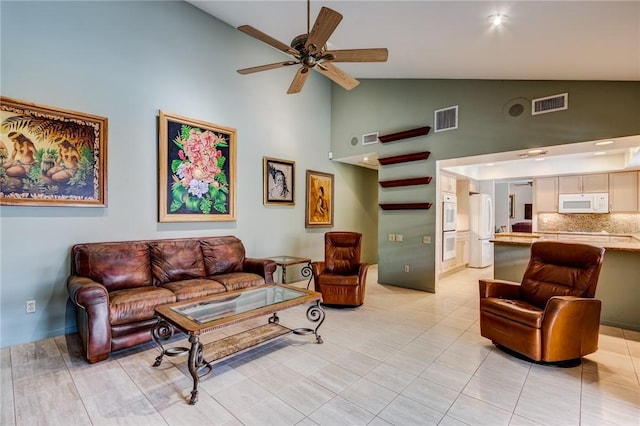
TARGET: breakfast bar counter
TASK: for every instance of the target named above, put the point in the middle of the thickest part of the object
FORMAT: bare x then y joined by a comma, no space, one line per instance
619,282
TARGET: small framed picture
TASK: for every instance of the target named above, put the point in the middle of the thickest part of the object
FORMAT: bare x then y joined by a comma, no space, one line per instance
319,204
279,181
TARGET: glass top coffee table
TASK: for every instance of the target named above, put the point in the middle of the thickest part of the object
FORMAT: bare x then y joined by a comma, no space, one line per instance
205,314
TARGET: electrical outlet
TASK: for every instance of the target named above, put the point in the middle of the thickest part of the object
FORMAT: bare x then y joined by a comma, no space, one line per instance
399,238
426,239
30,306
391,237
406,268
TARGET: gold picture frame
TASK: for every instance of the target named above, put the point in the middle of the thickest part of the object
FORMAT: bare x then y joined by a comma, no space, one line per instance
51,156
319,200
279,182
197,170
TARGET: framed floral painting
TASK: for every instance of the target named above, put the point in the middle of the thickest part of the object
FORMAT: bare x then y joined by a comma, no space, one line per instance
51,156
197,170
319,204
279,182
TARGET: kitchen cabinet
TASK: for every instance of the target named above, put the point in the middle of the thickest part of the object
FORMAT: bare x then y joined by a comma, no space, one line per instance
447,183
474,186
623,192
463,239
579,184
546,194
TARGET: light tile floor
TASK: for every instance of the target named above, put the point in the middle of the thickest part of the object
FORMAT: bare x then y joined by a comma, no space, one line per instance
403,358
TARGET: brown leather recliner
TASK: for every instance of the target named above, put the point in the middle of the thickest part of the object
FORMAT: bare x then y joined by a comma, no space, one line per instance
552,315
341,278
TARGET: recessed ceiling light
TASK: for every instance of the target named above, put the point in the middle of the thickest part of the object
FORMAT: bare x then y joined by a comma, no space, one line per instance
599,153
538,159
497,19
604,143
535,151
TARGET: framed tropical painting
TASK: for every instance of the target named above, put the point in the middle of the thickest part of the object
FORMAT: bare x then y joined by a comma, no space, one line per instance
279,181
197,170
51,156
319,204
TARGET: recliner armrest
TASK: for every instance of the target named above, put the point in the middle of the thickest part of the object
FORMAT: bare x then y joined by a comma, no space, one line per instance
499,288
263,267
570,325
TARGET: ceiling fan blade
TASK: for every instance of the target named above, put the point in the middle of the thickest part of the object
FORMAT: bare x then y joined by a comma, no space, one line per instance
257,34
325,25
359,55
337,75
266,67
299,80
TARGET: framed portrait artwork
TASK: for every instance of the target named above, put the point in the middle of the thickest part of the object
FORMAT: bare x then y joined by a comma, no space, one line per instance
279,181
319,203
51,156
197,170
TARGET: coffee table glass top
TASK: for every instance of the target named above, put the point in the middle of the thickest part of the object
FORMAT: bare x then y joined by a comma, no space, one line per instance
221,307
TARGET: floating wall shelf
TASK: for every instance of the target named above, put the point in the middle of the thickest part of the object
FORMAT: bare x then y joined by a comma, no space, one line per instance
406,206
404,158
420,131
405,182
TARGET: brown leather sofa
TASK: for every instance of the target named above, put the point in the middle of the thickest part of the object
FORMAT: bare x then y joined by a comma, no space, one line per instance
341,278
552,315
115,286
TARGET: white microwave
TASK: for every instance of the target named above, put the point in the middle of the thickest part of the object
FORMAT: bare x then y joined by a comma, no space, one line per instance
584,203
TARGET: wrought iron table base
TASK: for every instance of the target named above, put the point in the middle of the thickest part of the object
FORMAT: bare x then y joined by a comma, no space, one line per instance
163,331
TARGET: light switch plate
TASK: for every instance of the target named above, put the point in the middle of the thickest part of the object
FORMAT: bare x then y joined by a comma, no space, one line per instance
426,239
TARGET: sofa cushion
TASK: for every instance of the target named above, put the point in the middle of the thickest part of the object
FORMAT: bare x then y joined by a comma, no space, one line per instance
115,265
189,289
222,255
176,260
239,280
136,304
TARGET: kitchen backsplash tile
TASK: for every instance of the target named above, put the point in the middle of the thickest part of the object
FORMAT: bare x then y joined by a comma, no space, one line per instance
614,223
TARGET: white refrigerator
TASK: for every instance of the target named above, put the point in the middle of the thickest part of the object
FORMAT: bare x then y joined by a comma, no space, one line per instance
481,220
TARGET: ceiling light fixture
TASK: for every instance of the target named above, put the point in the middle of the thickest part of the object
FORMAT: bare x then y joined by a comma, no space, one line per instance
601,143
599,153
538,159
497,19
490,164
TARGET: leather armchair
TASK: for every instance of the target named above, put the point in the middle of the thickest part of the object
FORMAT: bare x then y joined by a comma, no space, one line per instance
341,277
552,315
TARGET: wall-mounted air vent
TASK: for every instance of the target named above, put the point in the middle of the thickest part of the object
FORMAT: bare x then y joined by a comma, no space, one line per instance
446,119
550,104
370,138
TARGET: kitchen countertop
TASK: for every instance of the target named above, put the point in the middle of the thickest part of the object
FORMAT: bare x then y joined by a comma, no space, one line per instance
515,238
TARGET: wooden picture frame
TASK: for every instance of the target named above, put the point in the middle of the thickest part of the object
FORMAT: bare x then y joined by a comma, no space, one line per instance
197,170
319,200
51,156
279,182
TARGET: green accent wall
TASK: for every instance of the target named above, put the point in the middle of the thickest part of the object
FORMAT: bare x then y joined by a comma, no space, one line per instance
596,110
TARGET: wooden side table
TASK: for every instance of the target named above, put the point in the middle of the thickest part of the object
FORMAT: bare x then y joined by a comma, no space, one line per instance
284,261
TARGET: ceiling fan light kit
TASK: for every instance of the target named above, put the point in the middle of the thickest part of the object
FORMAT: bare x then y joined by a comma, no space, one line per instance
310,52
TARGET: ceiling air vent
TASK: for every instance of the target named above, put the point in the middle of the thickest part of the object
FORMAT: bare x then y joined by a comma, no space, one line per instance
446,119
550,104
370,138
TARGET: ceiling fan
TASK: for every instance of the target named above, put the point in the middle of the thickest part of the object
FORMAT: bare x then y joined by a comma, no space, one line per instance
310,52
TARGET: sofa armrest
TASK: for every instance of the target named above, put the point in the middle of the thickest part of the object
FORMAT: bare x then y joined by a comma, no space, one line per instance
570,327
317,268
92,312
263,267
499,288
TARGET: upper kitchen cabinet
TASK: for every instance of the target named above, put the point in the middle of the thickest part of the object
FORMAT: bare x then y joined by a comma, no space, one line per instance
447,183
623,192
579,184
546,194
